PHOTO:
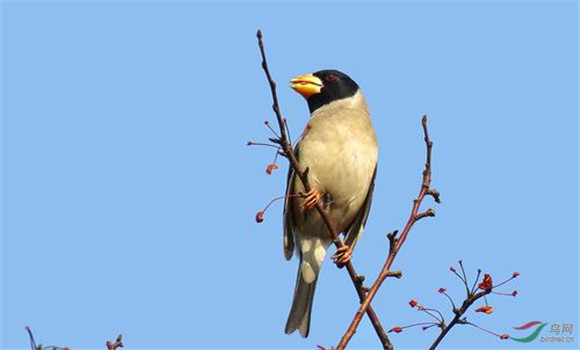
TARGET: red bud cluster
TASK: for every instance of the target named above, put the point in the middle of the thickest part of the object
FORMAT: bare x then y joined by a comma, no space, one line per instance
487,283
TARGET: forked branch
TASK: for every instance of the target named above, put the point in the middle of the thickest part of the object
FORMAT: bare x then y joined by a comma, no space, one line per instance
397,243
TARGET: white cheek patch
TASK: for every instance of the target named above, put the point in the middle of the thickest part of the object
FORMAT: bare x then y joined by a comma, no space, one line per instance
307,272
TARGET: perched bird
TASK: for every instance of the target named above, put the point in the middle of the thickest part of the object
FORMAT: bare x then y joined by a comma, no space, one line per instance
339,147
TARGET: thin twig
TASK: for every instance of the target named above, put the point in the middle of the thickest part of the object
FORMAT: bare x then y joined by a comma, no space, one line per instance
451,300
465,282
396,243
471,298
441,319
285,144
472,290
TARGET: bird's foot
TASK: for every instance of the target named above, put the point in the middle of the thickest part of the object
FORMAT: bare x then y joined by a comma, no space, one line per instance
311,199
342,256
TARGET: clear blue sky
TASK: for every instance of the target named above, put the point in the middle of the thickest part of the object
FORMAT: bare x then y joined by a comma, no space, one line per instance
128,194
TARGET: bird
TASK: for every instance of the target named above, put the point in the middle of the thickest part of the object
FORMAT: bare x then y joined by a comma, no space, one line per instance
340,150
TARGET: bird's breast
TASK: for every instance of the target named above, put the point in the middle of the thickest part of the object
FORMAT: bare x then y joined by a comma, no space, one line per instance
340,151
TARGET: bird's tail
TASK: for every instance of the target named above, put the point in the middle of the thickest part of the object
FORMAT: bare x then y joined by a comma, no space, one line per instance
312,252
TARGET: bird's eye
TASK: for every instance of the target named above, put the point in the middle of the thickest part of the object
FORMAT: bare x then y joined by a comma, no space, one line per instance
331,77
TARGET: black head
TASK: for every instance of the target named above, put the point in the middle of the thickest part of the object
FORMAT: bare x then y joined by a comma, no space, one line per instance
324,87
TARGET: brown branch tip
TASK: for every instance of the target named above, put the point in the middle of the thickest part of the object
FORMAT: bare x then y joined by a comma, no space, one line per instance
118,343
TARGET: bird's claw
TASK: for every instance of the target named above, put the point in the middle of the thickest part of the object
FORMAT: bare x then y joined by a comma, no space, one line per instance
342,256
311,199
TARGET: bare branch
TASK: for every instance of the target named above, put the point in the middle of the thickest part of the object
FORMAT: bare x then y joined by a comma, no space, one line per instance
458,314
396,244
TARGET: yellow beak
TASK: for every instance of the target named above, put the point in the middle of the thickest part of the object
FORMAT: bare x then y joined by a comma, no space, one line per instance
306,85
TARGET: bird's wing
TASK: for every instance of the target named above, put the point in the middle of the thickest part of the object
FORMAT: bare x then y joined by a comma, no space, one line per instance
355,230
289,213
